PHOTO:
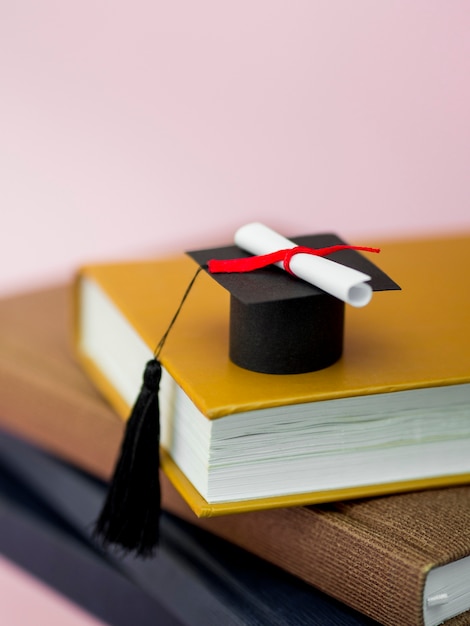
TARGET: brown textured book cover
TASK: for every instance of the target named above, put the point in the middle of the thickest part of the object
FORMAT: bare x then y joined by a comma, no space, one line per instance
371,554
44,395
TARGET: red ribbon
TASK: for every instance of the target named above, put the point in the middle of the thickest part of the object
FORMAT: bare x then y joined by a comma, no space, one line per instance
248,264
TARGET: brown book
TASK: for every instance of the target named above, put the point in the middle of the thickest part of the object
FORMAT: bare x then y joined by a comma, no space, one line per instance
380,556
373,554
44,396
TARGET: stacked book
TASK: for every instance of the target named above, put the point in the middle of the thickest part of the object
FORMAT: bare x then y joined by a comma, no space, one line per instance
352,478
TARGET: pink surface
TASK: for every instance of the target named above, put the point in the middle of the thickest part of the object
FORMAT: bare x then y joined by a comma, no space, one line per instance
149,127
25,600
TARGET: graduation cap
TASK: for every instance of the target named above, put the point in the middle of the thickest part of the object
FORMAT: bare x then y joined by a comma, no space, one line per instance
282,321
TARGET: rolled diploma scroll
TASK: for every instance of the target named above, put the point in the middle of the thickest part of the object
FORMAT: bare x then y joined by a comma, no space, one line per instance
340,281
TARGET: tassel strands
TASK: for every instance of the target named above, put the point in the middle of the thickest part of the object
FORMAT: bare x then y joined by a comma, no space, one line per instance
130,515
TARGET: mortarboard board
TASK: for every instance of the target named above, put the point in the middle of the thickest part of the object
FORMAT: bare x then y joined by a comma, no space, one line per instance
279,323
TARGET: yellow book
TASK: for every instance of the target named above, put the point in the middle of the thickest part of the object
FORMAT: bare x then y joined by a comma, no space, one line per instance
391,415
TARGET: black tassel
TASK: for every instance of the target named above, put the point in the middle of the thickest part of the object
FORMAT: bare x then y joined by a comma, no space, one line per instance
130,515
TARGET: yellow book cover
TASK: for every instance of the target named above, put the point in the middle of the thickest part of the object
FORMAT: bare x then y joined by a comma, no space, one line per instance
391,415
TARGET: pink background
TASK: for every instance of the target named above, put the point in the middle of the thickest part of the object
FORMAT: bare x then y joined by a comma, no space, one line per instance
129,129
143,128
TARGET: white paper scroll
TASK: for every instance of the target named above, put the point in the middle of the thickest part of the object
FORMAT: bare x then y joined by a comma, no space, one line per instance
340,281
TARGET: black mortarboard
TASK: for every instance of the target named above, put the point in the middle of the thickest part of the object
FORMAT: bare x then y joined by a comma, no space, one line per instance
280,324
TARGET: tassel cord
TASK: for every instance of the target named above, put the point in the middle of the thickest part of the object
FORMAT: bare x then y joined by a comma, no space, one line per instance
161,343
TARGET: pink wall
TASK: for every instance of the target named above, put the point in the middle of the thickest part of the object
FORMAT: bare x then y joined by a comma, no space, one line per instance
147,127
